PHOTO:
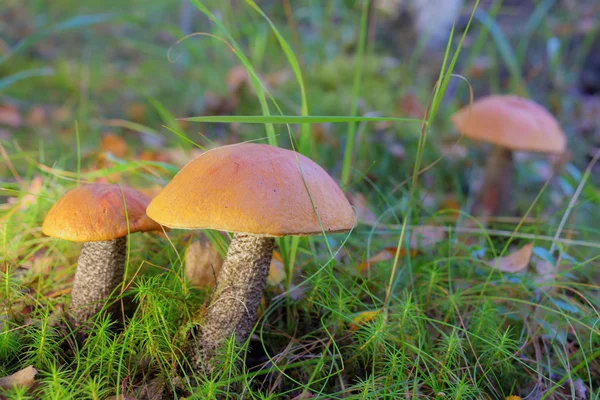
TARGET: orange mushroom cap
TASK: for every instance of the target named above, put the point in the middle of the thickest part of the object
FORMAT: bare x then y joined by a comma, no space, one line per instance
96,212
253,188
512,122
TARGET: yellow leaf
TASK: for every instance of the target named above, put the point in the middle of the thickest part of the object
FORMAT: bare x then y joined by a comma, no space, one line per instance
276,270
114,144
515,261
362,318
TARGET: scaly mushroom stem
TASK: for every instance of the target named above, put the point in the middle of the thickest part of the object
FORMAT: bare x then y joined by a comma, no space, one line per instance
99,271
237,295
495,196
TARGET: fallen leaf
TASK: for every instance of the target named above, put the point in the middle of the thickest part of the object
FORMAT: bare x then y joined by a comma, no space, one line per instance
513,398
359,201
515,261
10,116
24,378
114,144
202,263
362,319
276,270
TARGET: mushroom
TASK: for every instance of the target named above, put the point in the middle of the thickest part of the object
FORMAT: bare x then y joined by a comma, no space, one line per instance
510,123
257,192
95,214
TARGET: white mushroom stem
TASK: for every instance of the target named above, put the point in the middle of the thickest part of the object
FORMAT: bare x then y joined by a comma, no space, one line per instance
99,271
237,296
496,194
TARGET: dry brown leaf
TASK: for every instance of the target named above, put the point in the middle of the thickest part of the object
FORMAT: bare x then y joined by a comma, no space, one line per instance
515,261
362,318
24,378
10,116
202,263
114,144
359,201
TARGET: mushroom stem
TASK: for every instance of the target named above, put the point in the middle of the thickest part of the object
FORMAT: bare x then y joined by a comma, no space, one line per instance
237,295
495,196
99,271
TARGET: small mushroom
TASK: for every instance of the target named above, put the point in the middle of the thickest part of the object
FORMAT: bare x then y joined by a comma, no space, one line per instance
257,192
510,123
95,214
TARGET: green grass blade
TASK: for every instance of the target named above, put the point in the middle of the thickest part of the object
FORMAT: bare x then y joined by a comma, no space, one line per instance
19,76
272,137
350,136
505,50
305,143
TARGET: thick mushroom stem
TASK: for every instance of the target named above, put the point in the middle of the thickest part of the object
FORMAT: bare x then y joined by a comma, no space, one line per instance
99,271
495,196
237,295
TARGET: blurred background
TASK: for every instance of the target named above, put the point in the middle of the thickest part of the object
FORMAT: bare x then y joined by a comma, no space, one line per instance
98,64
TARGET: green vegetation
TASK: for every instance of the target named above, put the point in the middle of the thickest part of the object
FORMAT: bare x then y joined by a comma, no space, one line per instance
407,305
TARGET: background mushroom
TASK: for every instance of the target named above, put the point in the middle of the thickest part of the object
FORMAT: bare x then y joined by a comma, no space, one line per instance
95,214
510,123
257,192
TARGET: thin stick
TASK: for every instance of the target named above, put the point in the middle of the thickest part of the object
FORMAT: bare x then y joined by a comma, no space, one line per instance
574,199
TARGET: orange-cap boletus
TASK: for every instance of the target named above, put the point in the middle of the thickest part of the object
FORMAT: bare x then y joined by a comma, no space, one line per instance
510,123
257,192
101,216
